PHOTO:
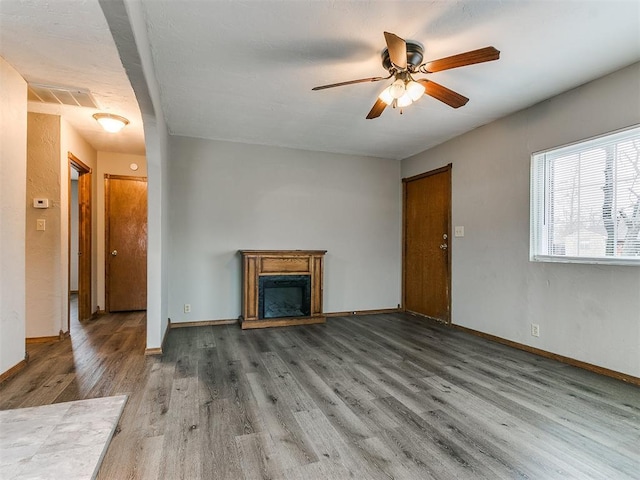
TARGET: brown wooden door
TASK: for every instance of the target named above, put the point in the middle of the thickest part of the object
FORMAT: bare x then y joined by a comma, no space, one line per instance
126,243
426,254
84,246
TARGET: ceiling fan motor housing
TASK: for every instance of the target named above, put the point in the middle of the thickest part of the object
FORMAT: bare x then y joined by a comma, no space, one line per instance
415,55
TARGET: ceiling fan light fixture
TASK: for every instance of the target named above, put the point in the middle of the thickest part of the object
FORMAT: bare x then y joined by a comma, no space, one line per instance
110,122
397,89
386,96
415,90
404,101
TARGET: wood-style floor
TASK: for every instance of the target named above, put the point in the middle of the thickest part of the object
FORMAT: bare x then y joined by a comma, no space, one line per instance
367,397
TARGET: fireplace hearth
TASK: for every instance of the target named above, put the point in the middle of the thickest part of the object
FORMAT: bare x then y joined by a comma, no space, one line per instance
281,287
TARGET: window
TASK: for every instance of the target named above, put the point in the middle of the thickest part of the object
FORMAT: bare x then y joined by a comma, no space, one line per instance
585,201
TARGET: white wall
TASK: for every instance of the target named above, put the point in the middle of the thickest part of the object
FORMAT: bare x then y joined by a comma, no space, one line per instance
587,312
128,27
227,196
157,145
13,174
112,164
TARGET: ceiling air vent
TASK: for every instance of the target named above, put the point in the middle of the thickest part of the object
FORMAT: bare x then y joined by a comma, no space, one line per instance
75,97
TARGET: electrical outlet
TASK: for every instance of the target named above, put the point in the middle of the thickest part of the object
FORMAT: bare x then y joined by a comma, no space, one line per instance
187,308
535,330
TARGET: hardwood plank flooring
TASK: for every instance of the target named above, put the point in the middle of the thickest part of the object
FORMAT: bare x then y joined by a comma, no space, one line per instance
386,396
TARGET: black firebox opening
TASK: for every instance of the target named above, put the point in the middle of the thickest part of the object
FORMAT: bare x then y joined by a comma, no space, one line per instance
284,296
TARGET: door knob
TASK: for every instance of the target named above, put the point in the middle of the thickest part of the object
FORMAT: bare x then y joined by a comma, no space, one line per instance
114,253
444,246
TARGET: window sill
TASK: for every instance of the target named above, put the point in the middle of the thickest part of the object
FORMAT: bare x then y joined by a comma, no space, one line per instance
632,262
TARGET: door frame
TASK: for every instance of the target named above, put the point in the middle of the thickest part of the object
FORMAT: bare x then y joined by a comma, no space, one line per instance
446,168
107,220
84,239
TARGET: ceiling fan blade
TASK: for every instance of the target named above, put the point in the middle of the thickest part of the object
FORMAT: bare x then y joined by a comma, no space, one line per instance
443,94
462,59
397,50
351,82
377,109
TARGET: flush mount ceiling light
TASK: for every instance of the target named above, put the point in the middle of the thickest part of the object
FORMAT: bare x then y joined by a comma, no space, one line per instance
110,122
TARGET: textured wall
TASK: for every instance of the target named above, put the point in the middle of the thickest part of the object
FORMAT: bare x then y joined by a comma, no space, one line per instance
44,282
50,139
13,172
587,312
228,196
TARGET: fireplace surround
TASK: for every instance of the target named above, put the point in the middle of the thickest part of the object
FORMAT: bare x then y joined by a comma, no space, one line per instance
281,287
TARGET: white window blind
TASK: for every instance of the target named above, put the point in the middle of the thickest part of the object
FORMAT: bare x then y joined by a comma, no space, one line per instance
585,201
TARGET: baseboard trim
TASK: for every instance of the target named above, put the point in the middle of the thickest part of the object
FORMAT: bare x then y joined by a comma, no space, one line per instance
53,338
362,312
204,323
13,370
159,350
553,356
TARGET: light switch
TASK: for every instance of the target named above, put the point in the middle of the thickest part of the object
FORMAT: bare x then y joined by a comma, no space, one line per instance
41,224
459,232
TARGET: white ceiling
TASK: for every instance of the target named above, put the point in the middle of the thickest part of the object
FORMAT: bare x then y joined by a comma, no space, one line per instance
243,70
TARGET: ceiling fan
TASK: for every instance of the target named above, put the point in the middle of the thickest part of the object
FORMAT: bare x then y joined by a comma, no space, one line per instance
402,59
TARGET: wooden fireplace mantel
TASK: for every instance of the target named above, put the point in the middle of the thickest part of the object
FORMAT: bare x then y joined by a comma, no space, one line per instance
257,263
